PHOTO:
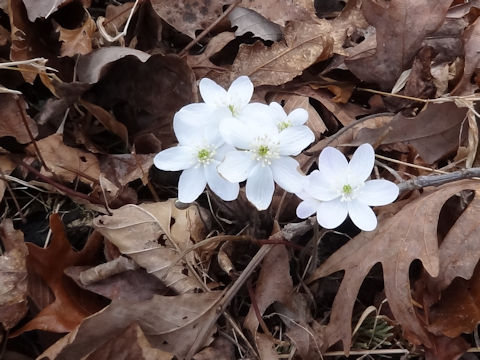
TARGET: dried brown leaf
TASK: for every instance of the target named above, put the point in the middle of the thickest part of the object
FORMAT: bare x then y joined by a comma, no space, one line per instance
79,40
13,276
247,20
66,162
398,240
401,26
44,8
6,167
280,11
124,168
304,45
274,284
221,349
188,16
71,304
160,233
168,322
433,139
12,123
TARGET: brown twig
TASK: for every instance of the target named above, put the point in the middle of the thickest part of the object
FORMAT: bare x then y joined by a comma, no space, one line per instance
209,28
253,300
32,139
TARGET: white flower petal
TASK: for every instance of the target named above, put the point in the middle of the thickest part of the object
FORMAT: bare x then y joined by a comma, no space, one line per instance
286,174
212,93
307,208
331,214
198,109
236,166
222,151
362,215
294,139
278,113
361,164
240,92
319,187
260,187
175,158
236,133
191,184
298,117
187,126
333,164
378,192
224,189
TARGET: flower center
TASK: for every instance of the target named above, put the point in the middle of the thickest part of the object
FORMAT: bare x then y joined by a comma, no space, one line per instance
205,156
284,124
264,150
347,189
349,192
232,109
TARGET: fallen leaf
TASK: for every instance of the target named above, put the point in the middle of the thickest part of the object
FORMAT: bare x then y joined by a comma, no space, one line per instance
36,9
266,347
274,284
304,45
221,349
71,304
6,167
124,168
280,11
79,40
131,344
247,20
471,43
401,26
395,244
12,120
13,276
432,139
188,16
162,232
447,349
66,162
168,322
90,66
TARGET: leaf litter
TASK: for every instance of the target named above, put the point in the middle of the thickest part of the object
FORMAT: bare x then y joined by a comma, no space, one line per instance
96,248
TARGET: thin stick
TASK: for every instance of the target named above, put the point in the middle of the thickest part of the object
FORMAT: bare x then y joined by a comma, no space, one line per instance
32,139
209,28
367,352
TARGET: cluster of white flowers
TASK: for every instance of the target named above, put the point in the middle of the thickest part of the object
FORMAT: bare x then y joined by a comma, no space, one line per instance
226,140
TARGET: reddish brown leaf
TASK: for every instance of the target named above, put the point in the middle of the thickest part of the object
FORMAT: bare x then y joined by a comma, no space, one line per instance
12,123
79,40
398,240
13,276
401,26
279,11
71,304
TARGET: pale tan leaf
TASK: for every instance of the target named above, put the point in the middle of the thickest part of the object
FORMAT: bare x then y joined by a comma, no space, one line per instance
79,40
304,45
247,20
12,119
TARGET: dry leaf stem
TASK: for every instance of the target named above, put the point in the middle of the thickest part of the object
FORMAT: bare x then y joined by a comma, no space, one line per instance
437,180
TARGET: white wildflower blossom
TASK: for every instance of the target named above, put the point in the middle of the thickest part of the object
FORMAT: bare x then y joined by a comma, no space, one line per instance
339,189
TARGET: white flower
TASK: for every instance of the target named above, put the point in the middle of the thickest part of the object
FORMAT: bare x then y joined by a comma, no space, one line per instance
339,188
264,155
297,117
198,154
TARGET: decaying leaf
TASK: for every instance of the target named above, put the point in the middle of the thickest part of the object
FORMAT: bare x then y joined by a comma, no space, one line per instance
13,276
12,119
36,9
304,45
66,162
154,235
169,323
432,139
77,41
124,168
221,349
247,20
401,26
71,304
279,11
398,240
189,16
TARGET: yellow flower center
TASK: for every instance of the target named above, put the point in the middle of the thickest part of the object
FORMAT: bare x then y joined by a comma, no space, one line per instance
347,189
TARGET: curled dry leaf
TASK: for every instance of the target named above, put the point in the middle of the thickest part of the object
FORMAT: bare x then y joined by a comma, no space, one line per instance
71,304
304,45
188,16
12,119
13,276
398,240
401,26
66,162
432,139
154,235
77,41
170,323
247,20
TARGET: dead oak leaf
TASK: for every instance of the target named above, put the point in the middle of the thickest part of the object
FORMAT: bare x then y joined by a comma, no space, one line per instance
398,240
401,26
304,45
279,11
13,276
71,304
77,41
